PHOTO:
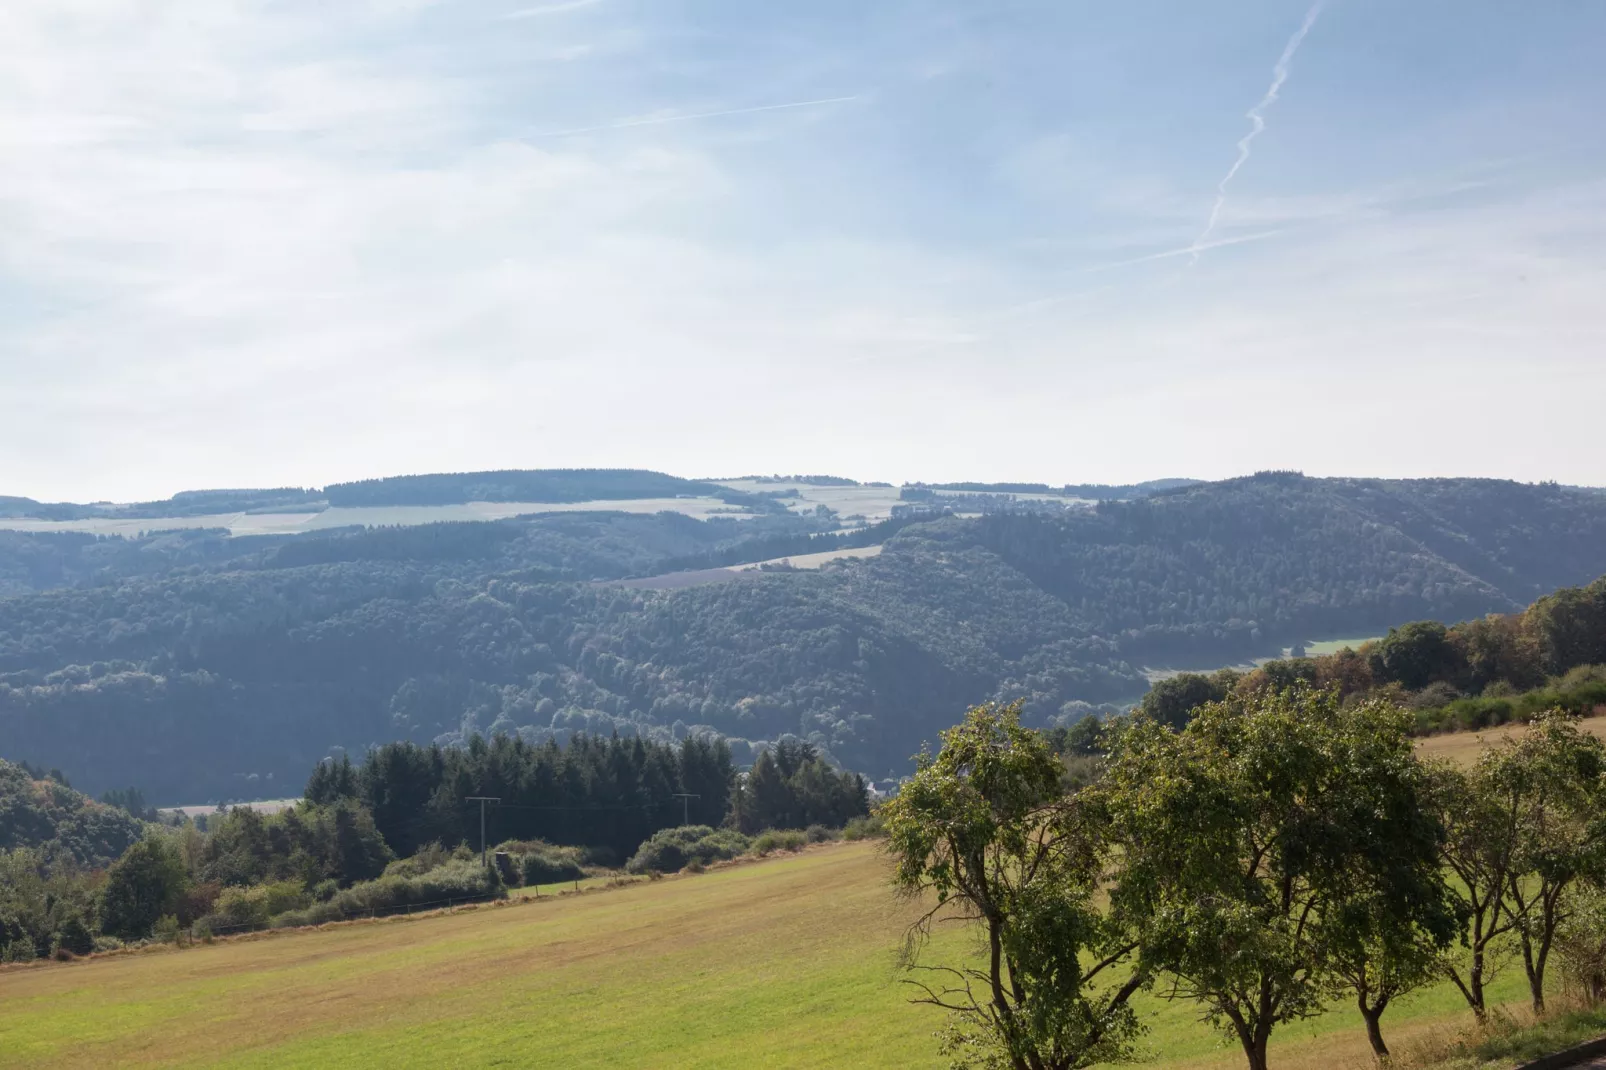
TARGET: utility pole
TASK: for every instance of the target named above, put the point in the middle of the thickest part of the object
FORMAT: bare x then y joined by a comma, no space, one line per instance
685,805
482,800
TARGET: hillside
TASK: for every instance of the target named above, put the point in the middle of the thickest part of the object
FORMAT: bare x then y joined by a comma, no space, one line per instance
784,963
227,675
63,823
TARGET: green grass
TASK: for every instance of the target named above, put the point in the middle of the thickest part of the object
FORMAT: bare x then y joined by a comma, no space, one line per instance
1333,646
789,962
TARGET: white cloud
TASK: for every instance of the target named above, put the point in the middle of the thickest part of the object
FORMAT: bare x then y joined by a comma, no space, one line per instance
276,245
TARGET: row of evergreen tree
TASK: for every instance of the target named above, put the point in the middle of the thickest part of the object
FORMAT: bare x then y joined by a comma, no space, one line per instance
596,792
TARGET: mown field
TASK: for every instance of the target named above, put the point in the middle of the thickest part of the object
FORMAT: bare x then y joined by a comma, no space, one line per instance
783,963
1464,747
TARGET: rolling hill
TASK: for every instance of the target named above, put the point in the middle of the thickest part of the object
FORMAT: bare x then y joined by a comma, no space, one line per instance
203,667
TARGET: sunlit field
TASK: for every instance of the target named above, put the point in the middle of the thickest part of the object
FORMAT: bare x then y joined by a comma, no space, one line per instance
789,962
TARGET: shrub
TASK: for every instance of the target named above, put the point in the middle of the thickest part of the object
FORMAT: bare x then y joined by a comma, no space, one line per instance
429,857
820,834
252,907
20,950
456,881
549,865
778,840
873,827
605,857
166,929
670,850
74,937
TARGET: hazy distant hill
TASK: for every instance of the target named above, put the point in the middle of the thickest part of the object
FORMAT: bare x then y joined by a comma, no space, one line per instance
227,676
544,485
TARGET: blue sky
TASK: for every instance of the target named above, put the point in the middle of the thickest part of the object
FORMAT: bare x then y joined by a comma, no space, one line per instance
294,243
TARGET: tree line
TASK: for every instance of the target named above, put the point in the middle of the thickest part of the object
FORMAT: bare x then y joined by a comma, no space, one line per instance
379,833
1481,672
1280,850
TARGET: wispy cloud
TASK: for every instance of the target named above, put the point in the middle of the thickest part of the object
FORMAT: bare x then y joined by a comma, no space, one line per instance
1257,121
549,9
655,120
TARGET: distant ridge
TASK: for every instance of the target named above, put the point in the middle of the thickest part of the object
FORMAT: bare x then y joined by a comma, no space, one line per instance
518,485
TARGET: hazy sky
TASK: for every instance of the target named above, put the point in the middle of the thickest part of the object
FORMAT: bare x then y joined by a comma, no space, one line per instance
294,242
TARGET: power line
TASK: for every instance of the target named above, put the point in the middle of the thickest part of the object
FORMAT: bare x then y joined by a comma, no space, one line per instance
685,798
482,800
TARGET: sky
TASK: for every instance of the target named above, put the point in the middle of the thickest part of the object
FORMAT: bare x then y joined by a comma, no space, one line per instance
289,243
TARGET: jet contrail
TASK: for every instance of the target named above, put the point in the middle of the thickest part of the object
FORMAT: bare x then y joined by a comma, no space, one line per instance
1257,119
694,115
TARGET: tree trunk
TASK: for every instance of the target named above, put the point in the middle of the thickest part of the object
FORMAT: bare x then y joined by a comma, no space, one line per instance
1374,1032
1480,1009
1255,1052
1534,967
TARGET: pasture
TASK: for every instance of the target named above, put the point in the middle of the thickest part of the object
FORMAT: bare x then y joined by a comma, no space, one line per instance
789,962
1464,747
1333,646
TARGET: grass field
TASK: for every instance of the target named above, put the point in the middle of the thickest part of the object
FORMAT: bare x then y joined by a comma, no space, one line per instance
783,963
1464,747
1333,646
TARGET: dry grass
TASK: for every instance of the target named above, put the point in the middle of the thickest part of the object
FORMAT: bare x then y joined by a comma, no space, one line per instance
1464,747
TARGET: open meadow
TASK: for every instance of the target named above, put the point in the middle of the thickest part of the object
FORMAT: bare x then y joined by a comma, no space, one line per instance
789,962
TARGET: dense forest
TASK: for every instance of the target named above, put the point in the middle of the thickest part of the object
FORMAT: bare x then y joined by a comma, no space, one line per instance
204,668
541,485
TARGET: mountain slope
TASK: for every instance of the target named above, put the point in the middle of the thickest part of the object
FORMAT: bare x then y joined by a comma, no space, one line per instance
231,680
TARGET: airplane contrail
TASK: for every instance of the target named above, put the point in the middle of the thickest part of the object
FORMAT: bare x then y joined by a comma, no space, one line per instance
1257,120
656,120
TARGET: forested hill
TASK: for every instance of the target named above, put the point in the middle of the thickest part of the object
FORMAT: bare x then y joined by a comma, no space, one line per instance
228,676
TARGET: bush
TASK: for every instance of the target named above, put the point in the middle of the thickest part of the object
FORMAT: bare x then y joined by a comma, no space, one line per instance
820,834
873,827
605,857
458,881
251,908
429,857
670,849
166,929
549,865
74,937
19,950
778,840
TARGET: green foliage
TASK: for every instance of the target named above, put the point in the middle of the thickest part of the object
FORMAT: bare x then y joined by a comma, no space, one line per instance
670,850
1244,836
607,793
1414,655
457,881
251,908
45,813
792,787
1552,781
308,843
771,840
1172,701
547,864
872,826
983,826
142,887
